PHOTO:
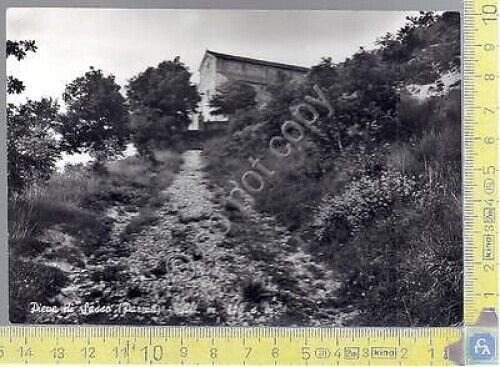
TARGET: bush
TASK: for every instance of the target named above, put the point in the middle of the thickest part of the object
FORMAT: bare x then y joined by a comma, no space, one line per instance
294,189
362,201
31,282
253,291
32,148
379,189
233,96
402,237
55,202
146,217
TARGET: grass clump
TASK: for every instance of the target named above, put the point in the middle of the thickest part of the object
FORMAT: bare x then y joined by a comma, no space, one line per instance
32,282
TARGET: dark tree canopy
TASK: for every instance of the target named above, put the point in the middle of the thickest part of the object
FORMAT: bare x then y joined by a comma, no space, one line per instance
231,97
32,148
31,145
96,118
19,50
161,99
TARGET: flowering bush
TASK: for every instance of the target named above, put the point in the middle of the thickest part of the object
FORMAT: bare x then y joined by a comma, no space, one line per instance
363,200
396,240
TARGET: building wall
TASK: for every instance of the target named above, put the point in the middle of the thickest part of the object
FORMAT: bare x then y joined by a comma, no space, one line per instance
207,86
253,73
214,72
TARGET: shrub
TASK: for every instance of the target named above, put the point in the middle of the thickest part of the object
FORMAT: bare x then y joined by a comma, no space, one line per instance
379,189
253,291
55,202
294,190
406,258
31,282
32,148
73,202
233,96
362,201
146,217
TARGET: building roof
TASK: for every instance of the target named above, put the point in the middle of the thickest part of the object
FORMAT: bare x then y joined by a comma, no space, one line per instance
255,61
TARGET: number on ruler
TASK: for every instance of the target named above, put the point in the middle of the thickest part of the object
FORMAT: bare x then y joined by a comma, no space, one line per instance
275,352
488,110
25,352
305,353
121,352
213,353
366,353
88,352
183,351
490,170
338,353
58,353
489,47
154,352
248,350
489,77
404,353
487,268
489,12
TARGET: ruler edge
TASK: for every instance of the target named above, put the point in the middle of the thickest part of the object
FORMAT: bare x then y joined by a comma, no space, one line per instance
469,84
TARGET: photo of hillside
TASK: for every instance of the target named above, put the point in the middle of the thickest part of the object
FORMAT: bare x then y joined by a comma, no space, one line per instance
234,168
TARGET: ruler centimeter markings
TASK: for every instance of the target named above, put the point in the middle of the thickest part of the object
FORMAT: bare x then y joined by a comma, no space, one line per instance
222,346
481,171
337,346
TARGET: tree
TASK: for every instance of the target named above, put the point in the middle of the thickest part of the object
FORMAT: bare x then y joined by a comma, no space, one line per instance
96,117
233,96
161,100
32,149
19,50
324,74
31,144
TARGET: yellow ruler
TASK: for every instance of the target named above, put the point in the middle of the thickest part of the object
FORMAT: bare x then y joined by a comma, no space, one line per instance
228,346
481,170
475,342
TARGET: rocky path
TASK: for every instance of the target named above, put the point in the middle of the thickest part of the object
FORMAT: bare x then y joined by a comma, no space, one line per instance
186,270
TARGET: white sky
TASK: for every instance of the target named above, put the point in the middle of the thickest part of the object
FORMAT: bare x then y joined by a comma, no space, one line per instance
124,42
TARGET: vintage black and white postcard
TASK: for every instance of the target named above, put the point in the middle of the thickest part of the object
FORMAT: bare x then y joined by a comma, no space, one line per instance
234,167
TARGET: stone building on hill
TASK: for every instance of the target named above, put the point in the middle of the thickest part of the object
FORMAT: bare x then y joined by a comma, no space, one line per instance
217,68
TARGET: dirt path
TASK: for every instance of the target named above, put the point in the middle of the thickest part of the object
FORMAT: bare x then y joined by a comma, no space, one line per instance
184,270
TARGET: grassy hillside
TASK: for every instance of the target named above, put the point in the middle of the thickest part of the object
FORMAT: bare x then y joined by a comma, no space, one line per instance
63,223
376,190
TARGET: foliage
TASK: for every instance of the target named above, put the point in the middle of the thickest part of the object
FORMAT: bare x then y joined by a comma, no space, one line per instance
73,205
378,190
408,260
233,96
361,202
18,49
96,117
425,47
161,100
401,227
31,282
365,100
31,145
